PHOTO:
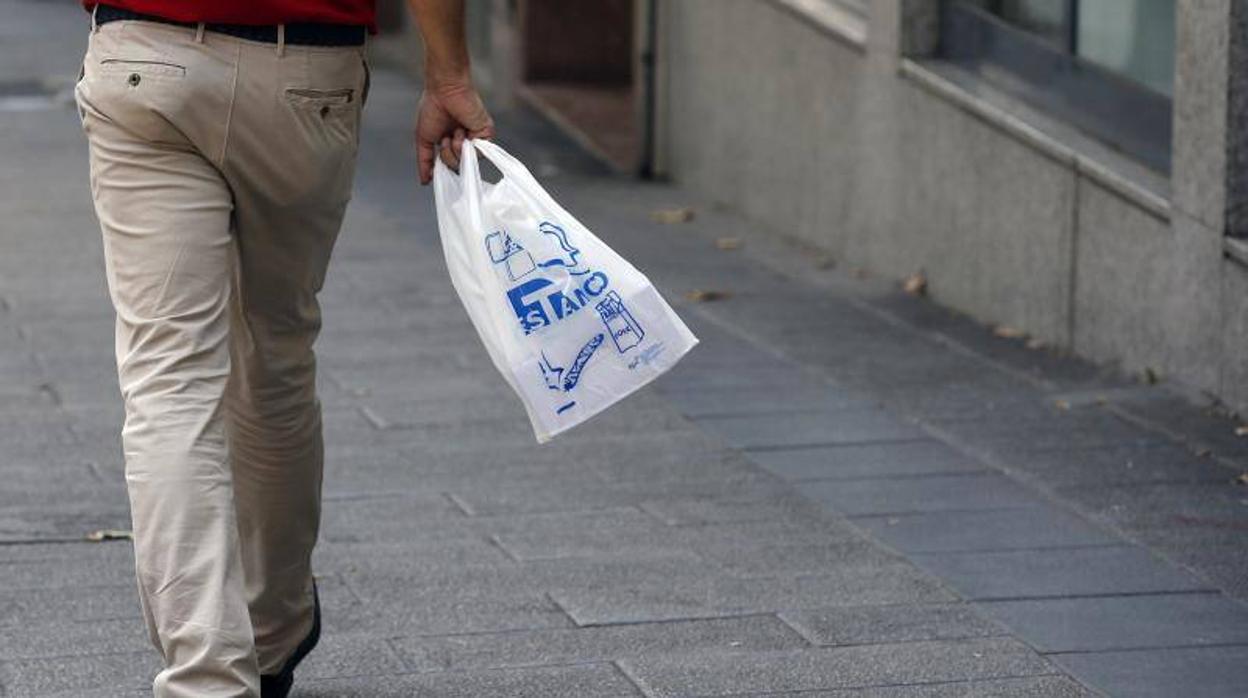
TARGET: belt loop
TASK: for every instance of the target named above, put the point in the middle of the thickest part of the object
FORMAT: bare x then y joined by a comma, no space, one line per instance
281,40
199,33
95,27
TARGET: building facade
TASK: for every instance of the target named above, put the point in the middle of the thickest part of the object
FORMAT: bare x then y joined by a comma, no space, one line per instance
1076,169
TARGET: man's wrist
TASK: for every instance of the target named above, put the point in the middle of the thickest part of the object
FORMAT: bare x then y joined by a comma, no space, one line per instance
447,74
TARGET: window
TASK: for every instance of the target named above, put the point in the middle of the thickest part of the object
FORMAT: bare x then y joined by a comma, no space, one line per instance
1107,66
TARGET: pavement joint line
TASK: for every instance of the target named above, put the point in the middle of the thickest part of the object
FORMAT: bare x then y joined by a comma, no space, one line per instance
1208,591
698,416
635,681
5,542
1098,594
464,507
1021,549
954,345
374,419
913,684
93,468
550,596
494,541
896,476
84,655
1146,648
771,448
399,657
1125,414
1125,545
924,512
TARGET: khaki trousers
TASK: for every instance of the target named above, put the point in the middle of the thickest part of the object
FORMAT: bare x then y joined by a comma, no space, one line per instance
220,170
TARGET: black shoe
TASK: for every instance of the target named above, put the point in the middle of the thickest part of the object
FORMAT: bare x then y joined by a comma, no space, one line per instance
278,685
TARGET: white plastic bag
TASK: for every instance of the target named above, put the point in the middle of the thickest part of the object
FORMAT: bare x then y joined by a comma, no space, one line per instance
571,325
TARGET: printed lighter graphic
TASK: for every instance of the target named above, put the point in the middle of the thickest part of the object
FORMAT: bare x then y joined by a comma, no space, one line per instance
563,379
504,250
623,328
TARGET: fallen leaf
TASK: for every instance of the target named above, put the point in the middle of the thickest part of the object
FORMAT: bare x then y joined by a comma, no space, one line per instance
1062,405
110,534
1241,430
1007,332
728,243
1242,479
699,295
671,216
915,284
1203,452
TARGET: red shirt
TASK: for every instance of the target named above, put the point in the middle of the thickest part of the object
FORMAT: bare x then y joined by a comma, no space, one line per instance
254,11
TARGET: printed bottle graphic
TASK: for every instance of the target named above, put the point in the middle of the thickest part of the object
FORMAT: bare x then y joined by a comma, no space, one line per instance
624,330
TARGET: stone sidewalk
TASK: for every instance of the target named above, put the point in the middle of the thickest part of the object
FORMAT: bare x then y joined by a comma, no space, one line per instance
844,491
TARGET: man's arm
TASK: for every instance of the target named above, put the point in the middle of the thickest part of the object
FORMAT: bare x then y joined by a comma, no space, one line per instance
450,108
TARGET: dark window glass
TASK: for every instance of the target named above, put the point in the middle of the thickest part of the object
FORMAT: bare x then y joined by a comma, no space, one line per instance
1107,66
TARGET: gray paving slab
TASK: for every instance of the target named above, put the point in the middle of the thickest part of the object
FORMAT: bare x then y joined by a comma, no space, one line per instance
54,637
1057,572
1026,687
753,400
1124,622
727,541
598,643
905,495
948,531
728,673
532,498
863,625
1113,465
50,675
346,654
18,607
1208,672
712,596
683,512
873,460
579,681
809,429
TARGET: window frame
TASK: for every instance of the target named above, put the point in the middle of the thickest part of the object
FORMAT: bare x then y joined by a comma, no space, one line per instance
1126,115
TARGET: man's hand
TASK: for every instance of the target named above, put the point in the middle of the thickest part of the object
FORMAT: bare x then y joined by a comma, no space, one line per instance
449,111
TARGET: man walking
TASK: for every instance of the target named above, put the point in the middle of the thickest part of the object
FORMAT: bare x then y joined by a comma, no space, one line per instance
222,142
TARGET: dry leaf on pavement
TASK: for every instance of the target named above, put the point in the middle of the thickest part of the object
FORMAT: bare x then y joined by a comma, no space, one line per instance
110,534
706,295
915,284
728,243
670,216
1007,332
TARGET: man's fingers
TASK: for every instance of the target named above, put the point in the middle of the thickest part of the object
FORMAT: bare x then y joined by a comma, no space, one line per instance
485,132
449,156
457,144
425,156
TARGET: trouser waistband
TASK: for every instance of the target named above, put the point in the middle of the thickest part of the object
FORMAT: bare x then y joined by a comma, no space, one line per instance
294,34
